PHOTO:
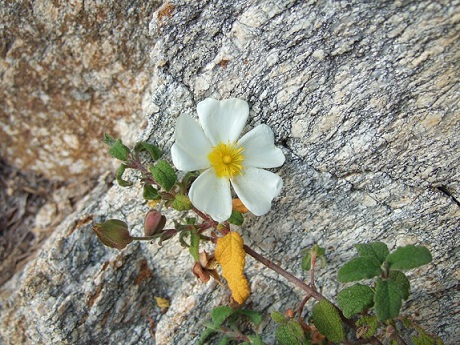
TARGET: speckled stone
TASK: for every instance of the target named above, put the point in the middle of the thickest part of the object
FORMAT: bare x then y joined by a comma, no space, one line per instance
70,71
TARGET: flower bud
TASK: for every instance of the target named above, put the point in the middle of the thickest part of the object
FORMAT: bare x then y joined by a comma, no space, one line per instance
166,235
113,233
154,222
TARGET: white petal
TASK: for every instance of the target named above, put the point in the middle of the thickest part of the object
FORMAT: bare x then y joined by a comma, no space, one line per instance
256,188
223,120
191,149
260,150
211,194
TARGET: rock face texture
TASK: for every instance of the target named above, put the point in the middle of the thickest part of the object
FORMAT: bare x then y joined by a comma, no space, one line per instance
69,71
363,98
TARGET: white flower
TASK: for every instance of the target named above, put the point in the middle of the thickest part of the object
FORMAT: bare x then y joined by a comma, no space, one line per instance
215,147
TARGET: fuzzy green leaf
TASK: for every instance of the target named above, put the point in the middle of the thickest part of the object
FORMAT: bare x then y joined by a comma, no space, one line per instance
367,326
278,317
359,268
290,334
284,336
306,261
205,334
119,174
153,150
405,258
297,330
194,245
255,339
150,193
402,282
164,174
387,300
424,338
317,252
119,151
236,218
108,139
355,299
224,341
220,314
252,315
181,203
378,250
327,320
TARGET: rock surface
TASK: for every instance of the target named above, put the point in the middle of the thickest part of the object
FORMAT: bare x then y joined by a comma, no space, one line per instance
70,71
363,98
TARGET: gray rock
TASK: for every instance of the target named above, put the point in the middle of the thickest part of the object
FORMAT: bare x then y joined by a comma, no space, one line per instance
363,99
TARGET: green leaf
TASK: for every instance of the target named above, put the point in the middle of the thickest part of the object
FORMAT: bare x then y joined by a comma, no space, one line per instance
306,261
164,174
278,317
355,299
297,330
367,326
205,334
402,282
424,338
405,258
327,320
387,299
190,220
182,236
108,139
119,174
194,245
255,339
150,193
359,268
181,203
285,336
378,250
220,314
188,178
224,341
316,252
236,218
153,150
252,315
119,151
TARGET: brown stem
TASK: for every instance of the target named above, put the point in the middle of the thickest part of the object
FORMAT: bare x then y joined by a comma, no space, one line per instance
312,271
293,279
301,305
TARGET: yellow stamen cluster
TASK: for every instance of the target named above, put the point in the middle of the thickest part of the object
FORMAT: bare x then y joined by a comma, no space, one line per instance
226,159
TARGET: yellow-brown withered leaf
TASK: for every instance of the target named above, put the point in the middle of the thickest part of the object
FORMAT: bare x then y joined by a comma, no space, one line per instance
231,256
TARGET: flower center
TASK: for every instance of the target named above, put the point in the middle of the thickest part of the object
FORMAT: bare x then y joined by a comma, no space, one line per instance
226,159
